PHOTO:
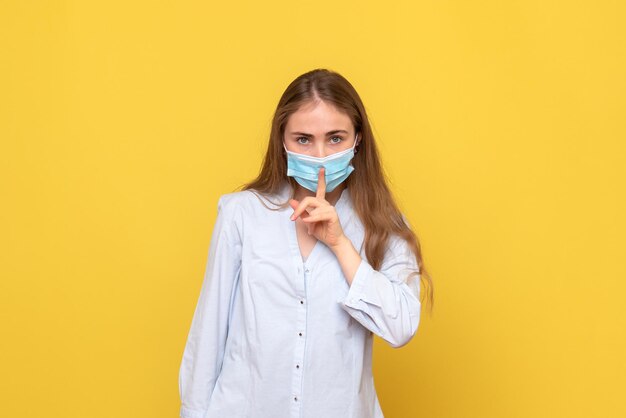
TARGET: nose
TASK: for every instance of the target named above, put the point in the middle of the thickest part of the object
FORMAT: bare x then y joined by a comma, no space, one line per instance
320,150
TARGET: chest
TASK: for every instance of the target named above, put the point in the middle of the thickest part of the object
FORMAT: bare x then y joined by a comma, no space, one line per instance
306,242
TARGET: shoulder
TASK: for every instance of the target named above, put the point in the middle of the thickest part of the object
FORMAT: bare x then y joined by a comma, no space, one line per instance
231,212
231,201
245,203
235,205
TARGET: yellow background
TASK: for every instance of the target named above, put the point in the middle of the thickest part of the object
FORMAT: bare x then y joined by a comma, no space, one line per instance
501,125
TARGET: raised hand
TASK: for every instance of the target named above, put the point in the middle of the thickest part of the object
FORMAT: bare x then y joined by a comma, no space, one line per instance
321,217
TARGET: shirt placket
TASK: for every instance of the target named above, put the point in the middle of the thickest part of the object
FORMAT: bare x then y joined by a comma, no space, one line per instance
304,274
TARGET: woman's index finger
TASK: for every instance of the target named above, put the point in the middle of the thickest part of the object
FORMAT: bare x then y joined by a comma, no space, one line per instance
321,184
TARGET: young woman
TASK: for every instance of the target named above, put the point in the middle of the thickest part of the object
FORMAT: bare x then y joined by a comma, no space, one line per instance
306,263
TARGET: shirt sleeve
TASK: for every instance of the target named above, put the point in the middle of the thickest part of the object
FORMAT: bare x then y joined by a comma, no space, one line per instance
384,301
204,349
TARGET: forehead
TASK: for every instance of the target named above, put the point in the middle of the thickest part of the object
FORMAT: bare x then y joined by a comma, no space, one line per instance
318,116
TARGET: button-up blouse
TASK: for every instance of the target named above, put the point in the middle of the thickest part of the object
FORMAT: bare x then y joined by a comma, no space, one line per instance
276,336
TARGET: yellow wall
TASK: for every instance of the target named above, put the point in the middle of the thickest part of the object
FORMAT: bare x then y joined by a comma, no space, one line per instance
502,128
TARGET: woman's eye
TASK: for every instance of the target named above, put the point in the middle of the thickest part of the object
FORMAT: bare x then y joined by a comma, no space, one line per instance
336,137
302,137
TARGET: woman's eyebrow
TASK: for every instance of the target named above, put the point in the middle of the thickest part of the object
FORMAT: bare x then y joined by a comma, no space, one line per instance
327,133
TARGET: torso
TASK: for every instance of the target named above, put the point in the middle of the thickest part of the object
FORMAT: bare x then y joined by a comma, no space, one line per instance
275,296
306,242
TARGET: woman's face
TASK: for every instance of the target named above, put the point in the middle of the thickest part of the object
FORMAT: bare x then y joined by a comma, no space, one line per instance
318,129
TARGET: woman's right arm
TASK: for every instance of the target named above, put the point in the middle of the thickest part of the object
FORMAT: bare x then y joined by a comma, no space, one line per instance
204,349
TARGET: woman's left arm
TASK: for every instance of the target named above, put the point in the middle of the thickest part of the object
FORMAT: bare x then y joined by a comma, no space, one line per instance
383,301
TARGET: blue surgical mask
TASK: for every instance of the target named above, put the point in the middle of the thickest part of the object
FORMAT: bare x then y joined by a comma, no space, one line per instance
305,168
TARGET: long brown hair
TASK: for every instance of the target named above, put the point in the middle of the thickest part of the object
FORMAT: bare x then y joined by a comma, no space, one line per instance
371,197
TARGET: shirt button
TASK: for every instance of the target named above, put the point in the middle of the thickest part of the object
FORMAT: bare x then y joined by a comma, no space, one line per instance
297,366
300,334
295,398
301,302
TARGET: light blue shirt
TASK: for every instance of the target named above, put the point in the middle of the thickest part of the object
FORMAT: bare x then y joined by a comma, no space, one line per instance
274,336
